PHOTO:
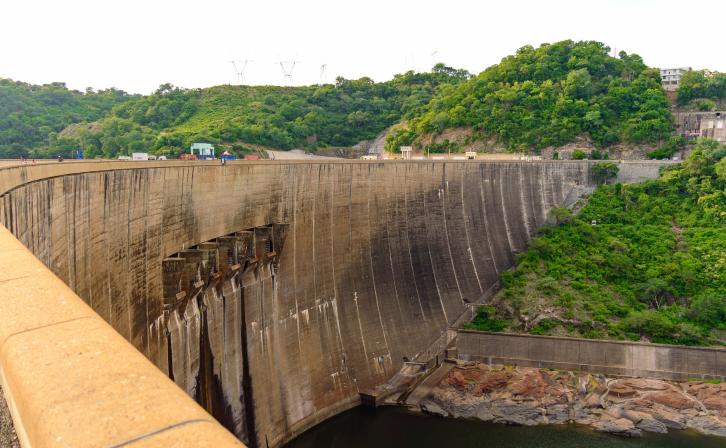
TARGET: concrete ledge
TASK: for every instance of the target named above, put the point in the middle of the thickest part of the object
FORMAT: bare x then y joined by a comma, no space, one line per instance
71,380
622,358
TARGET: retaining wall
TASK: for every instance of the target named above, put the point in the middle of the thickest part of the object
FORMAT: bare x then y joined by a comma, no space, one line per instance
622,358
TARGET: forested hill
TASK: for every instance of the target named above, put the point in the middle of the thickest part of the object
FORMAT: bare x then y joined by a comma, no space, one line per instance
538,97
31,116
642,261
170,119
548,96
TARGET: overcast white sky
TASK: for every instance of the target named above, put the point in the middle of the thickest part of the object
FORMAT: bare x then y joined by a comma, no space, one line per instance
136,45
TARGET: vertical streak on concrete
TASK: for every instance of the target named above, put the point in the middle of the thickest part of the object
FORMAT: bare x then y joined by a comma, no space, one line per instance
336,297
485,218
408,241
390,255
445,186
523,206
293,225
373,275
433,270
466,227
503,207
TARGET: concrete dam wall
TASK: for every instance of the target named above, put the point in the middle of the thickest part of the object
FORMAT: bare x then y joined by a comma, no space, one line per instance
274,292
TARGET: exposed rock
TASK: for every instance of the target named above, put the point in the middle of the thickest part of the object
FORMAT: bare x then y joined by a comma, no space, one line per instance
559,413
593,401
530,396
652,425
492,382
620,427
672,399
635,416
525,413
484,413
670,418
709,425
432,408
716,403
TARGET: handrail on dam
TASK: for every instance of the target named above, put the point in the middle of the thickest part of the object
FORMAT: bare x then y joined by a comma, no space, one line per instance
71,380
12,176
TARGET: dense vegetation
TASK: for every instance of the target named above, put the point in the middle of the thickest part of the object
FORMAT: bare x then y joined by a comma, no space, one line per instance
644,261
171,118
548,96
31,116
695,85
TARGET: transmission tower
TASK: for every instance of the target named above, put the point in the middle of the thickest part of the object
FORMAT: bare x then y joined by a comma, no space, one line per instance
239,70
433,58
287,69
323,74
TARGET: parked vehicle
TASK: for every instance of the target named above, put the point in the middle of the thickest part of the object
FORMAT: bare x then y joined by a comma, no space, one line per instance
139,156
228,156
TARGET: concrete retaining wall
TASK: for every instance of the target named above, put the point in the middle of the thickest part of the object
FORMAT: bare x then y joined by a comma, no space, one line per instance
607,357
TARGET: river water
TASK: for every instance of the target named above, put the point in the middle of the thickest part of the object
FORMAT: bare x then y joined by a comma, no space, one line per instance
398,428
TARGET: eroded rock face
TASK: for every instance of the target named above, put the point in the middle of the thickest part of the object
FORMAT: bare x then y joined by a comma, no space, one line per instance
621,406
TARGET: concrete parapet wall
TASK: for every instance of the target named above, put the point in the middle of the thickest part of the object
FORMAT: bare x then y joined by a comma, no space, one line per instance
640,170
623,358
70,380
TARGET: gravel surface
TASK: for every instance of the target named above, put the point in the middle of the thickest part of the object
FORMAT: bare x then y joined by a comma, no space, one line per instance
8,439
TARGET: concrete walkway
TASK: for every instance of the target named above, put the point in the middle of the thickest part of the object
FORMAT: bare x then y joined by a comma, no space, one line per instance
425,388
8,439
296,154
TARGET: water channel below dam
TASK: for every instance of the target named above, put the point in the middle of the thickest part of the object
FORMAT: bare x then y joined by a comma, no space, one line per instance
397,427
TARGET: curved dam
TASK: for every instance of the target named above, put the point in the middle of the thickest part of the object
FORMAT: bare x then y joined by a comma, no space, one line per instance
274,292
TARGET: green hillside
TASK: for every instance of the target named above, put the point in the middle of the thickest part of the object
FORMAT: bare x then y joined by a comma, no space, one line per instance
31,116
340,114
548,96
639,261
538,97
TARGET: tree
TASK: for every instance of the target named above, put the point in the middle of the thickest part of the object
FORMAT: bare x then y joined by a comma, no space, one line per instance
561,215
604,171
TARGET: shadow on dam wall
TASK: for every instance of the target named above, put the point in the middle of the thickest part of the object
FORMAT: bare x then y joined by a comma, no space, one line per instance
377,259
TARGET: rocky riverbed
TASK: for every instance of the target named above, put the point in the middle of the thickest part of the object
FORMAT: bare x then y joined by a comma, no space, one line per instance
622,406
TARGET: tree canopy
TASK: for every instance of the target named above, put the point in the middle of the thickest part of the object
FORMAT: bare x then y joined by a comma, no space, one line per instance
110,123
640,261
697,85
550,95
30,115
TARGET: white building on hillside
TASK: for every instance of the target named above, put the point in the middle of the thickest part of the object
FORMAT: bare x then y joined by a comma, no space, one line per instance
671,77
